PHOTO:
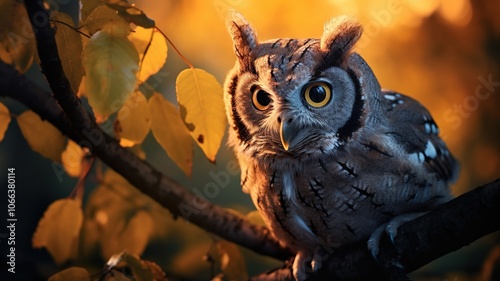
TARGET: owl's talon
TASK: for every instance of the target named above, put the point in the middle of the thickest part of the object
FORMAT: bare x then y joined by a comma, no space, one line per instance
374,241
303,265
391,229
392,232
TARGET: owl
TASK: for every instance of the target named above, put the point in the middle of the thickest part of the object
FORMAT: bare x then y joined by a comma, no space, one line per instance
328,157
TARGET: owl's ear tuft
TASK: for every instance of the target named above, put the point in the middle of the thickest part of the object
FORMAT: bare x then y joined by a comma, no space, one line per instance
339,36
242,34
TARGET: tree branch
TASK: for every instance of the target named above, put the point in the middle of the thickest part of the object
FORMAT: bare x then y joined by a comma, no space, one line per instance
445,229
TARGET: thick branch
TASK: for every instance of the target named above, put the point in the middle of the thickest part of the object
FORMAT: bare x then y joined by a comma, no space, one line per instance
447,228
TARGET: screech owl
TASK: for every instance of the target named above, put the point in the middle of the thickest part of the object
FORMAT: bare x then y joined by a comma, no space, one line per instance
328,157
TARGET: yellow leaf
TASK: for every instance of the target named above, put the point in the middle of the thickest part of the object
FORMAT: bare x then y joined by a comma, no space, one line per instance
6,9
231,261
202,108
100,17
110,206
171,134
111,63
72,159
58,230
17,43
42,136
255,217
152,48
87,7
71,274
133,119
140,269
131,13
69,47
131,236
4,120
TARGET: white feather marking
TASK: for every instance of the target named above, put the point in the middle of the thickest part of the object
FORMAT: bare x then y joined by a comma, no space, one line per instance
389,97
428,128
421,157
430,150
417,157
300,222
288,185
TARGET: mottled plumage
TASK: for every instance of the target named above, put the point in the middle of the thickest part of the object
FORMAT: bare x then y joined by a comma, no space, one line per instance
326,155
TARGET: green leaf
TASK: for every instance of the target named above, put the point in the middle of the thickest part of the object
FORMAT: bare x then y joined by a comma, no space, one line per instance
170,132
202,108
69,47
58,230
111,63
42,136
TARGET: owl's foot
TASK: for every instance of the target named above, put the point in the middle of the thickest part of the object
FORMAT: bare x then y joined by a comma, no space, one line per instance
303,265
391,229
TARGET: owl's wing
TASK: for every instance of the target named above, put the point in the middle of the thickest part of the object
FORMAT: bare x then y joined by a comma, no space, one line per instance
414,129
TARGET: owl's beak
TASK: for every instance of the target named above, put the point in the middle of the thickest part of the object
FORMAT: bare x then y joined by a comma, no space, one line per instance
288,134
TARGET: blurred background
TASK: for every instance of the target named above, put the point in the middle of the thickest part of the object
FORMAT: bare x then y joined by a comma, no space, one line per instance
444,53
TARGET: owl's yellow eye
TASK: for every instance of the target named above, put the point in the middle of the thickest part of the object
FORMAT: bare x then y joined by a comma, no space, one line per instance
318,94
260,99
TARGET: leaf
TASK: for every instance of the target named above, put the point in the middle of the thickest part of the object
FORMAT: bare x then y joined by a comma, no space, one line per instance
58,230
255,218
111,63
232,261
87,7
141,271
4,120
71,159
171,134
100,17
69,47
131,236
133,120
110,208
6,10
42,136
130,13
152,48
17,43
71,274
202,108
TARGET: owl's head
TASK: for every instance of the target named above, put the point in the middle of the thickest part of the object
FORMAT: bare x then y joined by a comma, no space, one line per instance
296,95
